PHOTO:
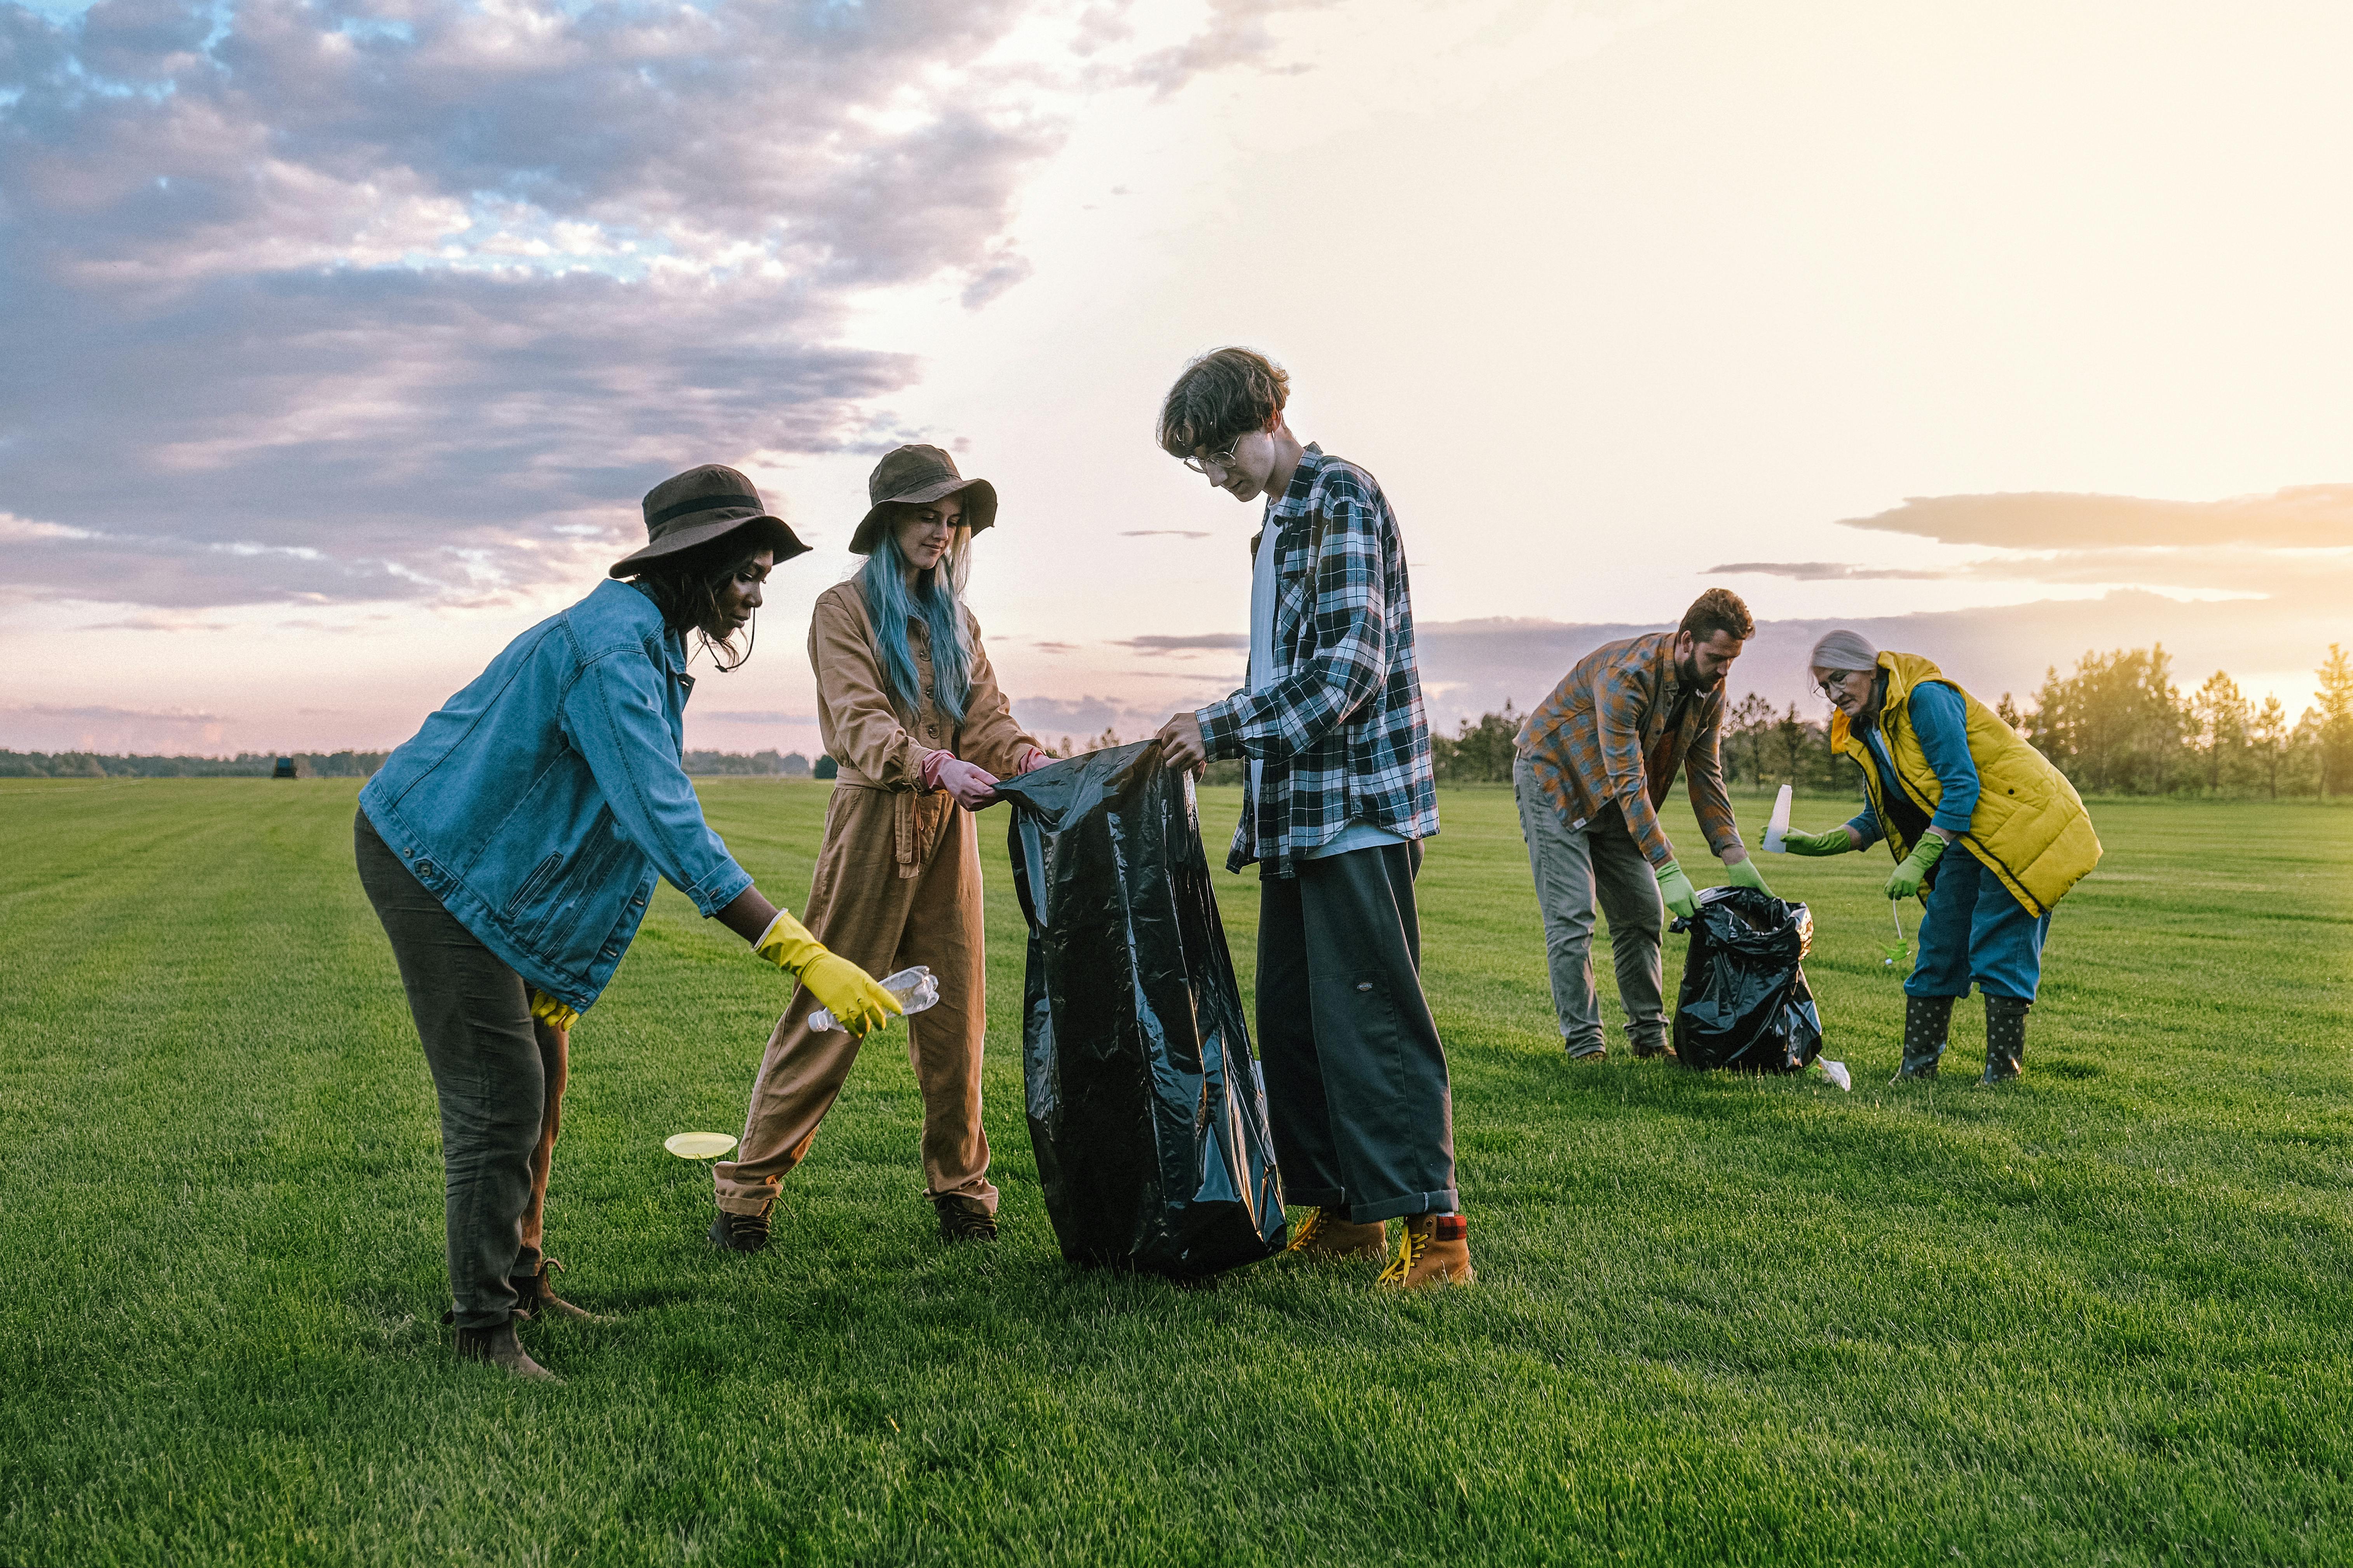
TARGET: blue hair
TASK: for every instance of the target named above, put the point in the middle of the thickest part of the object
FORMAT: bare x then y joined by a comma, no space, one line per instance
889,604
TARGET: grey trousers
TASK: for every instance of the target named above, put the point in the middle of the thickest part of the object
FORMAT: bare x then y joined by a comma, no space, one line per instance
1356,1093
1577,868
500,1079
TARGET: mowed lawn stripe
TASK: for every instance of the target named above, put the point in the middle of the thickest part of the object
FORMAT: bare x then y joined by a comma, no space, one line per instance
2095,1315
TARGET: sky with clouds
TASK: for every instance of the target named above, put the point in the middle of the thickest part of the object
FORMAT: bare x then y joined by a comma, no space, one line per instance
342,337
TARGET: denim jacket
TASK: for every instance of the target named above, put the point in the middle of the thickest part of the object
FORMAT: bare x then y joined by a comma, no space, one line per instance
539,803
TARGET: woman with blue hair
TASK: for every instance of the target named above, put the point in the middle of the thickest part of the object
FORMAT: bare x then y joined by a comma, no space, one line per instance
908,705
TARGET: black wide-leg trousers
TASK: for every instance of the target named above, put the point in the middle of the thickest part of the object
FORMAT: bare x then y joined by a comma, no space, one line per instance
493,1072
1356,1077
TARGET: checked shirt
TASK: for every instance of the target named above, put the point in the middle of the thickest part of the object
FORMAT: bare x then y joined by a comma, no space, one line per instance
1339,733
1616,728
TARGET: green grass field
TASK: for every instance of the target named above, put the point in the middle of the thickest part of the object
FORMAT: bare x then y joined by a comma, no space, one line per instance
2096,1317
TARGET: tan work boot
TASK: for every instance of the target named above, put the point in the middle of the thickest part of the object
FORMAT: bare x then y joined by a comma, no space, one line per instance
1323,1237
500,1347
1433,1251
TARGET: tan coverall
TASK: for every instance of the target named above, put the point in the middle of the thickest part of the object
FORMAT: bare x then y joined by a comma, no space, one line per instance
898,883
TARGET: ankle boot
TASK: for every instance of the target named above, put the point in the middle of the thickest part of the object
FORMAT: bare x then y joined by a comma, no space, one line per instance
2004,1039
499,1348
1927,1022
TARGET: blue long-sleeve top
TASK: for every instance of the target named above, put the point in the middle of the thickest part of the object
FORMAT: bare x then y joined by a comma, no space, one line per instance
1941,721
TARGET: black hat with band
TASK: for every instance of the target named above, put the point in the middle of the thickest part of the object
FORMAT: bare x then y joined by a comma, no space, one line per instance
699,506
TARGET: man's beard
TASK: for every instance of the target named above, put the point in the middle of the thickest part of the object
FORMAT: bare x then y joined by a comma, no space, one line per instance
1687,671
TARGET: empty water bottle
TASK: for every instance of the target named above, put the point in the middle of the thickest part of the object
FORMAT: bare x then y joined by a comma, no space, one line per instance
915,989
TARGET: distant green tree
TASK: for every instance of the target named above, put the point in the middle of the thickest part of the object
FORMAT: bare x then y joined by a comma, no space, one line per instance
2115,724
2219,717
1746,728
825,768
2332,714
2267,738
1480,751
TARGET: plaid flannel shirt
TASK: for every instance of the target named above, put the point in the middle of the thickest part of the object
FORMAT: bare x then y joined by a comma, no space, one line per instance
1339,731
1604,735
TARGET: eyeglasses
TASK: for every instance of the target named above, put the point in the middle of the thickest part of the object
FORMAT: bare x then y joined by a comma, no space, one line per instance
1838,681
1223,461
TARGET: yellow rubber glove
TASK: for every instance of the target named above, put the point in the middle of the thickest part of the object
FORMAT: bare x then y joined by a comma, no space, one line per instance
1903,882
551,1012
1676,889
843,989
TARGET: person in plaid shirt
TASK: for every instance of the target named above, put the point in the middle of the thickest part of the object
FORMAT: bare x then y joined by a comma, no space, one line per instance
1341,795
1594,762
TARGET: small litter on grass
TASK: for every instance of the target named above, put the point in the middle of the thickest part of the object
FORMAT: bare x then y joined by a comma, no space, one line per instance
916,988
699,1145
1836,1072
1896,951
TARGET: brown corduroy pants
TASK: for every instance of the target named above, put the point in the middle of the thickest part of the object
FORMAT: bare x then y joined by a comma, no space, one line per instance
861,908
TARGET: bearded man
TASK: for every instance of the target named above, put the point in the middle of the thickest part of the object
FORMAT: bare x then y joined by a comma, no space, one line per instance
1595,761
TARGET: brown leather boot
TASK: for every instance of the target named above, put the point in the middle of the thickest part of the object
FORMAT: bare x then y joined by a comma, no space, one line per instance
964,1219
1434,1250
1324,1237
539,1299
499,1348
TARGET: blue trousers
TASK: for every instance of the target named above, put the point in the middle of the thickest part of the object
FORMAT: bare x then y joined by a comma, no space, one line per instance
1976,930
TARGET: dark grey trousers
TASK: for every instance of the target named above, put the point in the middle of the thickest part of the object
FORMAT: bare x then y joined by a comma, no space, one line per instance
473,1014
1356,1077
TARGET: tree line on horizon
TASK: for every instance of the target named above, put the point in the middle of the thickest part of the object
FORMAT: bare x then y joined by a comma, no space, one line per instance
2117,724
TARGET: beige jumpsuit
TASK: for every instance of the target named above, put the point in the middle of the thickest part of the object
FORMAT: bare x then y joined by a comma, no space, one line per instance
898,883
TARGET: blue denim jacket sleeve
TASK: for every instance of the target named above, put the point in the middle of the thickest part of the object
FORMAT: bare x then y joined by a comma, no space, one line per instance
615,716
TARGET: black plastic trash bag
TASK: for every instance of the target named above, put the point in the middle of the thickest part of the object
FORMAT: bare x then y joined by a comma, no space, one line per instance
1745,1002
1146,1104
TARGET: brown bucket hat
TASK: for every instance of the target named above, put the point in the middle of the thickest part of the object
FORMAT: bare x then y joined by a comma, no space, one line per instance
700,505
915,475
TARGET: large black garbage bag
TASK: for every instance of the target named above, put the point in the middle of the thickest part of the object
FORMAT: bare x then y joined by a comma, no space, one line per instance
1745,1002
1146,1104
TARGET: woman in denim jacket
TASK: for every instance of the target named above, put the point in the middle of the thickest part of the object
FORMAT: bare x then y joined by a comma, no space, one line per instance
510,849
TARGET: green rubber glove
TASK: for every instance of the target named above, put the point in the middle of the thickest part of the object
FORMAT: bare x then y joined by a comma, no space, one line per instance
843,989
1743,873
1676,889
1837,841
1903,882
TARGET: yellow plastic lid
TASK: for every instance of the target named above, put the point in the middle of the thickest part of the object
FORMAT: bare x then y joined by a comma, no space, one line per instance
699,1145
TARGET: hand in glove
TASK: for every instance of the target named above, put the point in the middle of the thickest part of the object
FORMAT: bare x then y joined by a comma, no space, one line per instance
551,1012
1676,889
973,787
1837,841
1743,873
1903,882
843,989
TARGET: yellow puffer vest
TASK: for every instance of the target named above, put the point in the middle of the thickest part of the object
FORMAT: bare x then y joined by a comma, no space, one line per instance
2029,828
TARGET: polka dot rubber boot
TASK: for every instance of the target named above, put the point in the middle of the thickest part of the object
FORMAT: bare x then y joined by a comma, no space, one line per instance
1926,1021
2004,1039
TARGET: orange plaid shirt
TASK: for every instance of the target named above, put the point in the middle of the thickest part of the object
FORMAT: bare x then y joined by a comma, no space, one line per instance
1615,729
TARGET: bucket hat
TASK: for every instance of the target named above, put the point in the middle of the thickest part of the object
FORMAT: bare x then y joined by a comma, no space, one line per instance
914,475
693,509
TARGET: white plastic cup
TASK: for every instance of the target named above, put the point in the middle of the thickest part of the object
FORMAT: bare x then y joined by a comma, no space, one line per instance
1780,823
915,989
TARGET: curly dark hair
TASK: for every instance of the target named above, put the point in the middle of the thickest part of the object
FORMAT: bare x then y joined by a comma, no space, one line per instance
1224,393
1718,610
685,588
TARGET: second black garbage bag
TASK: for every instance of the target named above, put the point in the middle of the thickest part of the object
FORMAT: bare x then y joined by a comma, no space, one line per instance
1145,1105
1744,1003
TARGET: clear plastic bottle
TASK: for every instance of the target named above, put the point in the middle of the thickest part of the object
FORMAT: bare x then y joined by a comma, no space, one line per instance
915,989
